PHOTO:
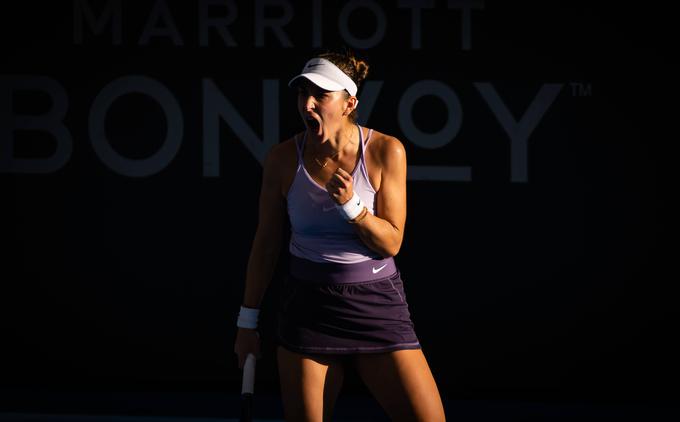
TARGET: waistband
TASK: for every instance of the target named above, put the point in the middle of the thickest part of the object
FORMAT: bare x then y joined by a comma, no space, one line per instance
333,272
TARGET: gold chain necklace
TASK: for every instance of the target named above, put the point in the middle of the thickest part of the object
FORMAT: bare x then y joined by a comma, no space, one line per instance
325,162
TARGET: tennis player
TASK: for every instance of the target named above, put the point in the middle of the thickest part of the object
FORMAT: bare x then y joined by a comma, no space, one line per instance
343,188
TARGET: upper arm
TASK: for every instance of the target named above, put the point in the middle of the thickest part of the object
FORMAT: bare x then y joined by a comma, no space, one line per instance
391,202
272,204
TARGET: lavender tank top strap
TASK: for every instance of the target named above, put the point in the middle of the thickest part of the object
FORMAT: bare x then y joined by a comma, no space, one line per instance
363,156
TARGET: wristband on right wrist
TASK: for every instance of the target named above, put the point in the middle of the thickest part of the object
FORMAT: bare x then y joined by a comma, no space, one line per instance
247,317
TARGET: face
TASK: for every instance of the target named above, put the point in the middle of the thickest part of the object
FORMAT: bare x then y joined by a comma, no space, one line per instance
321,110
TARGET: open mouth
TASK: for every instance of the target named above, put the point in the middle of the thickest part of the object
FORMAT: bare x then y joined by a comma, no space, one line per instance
312,124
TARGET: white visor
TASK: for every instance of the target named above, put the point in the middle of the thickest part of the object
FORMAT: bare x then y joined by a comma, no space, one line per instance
327,76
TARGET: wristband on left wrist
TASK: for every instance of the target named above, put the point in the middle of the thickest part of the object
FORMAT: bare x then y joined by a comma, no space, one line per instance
352,208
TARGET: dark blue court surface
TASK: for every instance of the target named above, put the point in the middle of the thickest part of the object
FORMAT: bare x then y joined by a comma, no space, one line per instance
216,407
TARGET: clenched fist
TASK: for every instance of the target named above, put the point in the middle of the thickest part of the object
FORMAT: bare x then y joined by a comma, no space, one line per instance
340,186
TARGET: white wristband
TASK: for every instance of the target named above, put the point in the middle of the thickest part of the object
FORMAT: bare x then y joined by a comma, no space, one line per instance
352,208
247,317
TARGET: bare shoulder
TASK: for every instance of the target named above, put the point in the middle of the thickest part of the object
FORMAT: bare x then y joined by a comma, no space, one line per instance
282,159
281,155
385,148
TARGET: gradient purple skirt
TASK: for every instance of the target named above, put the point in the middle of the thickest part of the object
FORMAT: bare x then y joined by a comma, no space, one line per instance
345,318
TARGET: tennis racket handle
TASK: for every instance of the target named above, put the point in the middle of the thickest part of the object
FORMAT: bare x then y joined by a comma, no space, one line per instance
248,374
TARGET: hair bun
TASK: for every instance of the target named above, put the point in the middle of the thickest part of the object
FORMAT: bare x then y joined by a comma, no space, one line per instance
361,69
345,59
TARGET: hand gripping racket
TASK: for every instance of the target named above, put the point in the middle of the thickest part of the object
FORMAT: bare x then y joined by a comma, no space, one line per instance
247,389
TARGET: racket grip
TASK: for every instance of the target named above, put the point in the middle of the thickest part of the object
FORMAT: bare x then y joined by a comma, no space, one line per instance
248,383
247,389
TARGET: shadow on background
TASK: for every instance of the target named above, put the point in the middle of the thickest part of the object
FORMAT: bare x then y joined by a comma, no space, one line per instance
544,298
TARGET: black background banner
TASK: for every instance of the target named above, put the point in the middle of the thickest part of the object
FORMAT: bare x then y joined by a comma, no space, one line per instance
534,257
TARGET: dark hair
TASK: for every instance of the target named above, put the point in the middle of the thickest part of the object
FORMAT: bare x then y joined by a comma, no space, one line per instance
355,67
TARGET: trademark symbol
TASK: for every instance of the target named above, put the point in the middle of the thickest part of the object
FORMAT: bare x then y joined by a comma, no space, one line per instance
579,89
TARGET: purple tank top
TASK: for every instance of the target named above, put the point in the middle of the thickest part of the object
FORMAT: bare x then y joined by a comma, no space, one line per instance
318,232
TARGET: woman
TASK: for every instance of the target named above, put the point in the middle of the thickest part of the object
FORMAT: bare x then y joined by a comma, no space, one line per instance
344,189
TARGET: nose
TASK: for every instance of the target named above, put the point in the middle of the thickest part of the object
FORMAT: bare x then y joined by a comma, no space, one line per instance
309,103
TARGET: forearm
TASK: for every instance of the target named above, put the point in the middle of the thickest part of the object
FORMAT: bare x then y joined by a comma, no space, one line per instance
261,265
379,235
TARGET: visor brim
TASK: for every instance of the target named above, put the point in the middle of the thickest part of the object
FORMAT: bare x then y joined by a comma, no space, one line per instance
319,80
